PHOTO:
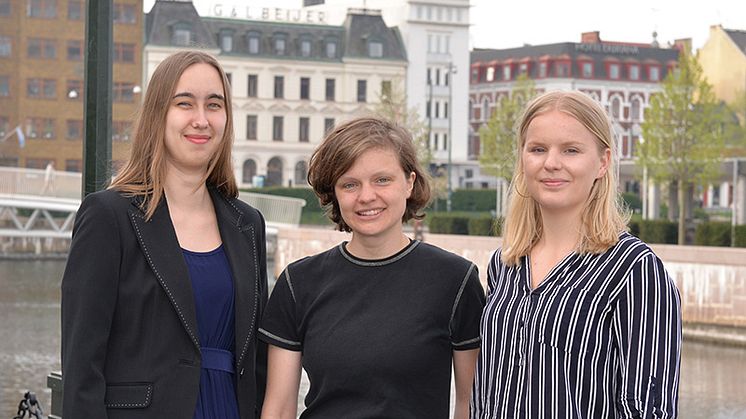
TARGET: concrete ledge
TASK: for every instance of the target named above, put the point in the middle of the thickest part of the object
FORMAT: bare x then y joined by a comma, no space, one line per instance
723,335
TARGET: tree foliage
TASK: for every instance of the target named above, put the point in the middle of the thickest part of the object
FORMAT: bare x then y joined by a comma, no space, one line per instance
498,136
684,132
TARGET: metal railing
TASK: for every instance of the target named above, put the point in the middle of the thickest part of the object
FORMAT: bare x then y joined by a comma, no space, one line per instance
276,209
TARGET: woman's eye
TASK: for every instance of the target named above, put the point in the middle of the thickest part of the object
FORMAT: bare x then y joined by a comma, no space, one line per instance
215,106
183,104
536,149
383,180
572,150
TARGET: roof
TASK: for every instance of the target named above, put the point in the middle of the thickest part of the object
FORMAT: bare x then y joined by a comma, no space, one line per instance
739,37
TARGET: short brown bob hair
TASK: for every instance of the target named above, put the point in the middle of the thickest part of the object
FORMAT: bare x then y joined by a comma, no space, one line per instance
348,141
143,175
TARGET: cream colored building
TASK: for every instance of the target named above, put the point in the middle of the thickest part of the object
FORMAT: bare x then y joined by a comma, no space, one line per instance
723,59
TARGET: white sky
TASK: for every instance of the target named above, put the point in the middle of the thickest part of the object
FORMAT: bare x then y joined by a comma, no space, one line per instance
513,23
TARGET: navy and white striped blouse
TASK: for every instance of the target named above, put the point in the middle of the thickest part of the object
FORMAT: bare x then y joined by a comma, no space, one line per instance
600,337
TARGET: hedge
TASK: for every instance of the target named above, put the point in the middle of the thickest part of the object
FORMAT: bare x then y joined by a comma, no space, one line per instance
655,231
473,200
465,223
712,234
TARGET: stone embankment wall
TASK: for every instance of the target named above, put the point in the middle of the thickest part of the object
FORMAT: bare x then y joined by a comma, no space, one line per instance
711,280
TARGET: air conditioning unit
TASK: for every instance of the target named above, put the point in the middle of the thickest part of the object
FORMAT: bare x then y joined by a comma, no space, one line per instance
47,135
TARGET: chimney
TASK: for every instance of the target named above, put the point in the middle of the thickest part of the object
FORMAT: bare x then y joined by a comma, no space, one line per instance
684,44
590,37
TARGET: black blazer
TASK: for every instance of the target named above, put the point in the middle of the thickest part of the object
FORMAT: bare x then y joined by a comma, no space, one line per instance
130,347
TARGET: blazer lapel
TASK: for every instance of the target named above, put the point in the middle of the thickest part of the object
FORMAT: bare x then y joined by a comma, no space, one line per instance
239,242
161,249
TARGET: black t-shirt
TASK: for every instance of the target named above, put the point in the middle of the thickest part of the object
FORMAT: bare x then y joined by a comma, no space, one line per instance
377,336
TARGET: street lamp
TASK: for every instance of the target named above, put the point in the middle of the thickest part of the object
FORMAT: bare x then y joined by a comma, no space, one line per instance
451,72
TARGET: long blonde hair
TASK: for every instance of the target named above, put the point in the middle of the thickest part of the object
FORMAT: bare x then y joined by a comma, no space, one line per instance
144,172
603,217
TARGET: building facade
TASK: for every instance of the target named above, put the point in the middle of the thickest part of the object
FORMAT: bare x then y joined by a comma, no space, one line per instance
293,76
621,76
42,51
436,37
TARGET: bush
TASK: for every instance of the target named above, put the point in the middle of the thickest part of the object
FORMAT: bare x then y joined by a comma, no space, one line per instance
632,201
740,236
485,225
480,200
712,234
634,227
445,223
658,231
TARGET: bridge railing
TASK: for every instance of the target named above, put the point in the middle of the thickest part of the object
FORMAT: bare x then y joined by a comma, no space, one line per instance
24,184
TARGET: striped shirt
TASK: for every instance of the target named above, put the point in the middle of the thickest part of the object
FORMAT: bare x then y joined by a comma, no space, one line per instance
600,337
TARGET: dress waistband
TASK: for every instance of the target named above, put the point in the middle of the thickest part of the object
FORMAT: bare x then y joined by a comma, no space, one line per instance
217,359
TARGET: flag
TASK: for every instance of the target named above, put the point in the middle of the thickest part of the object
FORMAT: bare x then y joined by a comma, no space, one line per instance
21,137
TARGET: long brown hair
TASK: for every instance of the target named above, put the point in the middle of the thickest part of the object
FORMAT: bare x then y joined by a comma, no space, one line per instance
348,141
144,173
603,217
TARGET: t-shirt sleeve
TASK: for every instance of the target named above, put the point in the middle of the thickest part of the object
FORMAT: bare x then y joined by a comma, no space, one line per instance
279,326
467,312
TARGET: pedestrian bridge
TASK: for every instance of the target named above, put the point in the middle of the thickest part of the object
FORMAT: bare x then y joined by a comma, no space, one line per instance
41,204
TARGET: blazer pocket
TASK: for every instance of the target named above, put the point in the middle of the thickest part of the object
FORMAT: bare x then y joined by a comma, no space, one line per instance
128,395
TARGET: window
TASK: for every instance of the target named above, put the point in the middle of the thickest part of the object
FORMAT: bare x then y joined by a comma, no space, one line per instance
303,129
654,74
280,45
331,49
485,110
279,87
362,89
37,163
74,89
305,48
74,50
445,141
124,53
428,105
75,10
253,41
124,13
616,108
375,49
328,125
226,41
181,34
561,69
277,122
252,86
437,77
251,127
386,90
523,68
45,9
74,129
445,78
445,109
437,109
6,46
120,131
542,69
305,87
4,127
4,7
249,171
635,107
301,173
40,128
330,89
41,48
490,73
587,69
506,72
634,72
41,88
4,86
122,92
436,141
475,75
614,71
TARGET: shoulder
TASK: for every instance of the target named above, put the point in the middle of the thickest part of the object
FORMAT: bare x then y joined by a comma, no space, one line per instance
313,262
628,250
107,201
437,258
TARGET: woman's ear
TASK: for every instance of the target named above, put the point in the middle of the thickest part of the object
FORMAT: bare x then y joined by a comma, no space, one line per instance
605,161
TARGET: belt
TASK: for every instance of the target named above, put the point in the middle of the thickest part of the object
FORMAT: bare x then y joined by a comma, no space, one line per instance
217,359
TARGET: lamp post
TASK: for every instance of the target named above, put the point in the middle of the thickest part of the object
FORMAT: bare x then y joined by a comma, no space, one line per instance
451,72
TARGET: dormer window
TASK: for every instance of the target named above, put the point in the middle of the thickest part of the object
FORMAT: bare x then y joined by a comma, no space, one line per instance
305,47
331,48
226,40
634,72
181,34
280,44
375,49
614,71
654,73
252,39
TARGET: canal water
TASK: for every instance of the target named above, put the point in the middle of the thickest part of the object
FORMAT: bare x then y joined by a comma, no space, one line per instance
712,377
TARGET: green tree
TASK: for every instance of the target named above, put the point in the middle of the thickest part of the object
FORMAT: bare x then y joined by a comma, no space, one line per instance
684,134
498,136
392,104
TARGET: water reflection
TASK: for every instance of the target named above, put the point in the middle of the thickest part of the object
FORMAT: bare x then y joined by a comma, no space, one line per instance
711,376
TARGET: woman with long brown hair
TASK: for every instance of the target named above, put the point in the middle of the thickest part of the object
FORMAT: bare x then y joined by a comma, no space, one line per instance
166,276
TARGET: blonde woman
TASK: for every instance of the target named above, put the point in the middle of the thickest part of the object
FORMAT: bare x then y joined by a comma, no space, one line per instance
582,320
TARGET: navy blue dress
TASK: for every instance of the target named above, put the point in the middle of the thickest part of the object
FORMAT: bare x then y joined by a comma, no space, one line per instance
212,284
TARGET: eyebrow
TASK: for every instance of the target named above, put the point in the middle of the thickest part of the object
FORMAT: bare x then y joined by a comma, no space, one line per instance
191,96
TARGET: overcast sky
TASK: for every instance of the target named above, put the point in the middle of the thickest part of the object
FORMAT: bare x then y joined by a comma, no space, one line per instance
508,24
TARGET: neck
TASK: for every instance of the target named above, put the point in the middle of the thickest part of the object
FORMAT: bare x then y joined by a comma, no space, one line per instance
560,231
185,188
376,247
